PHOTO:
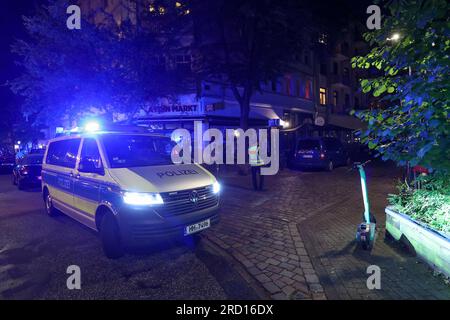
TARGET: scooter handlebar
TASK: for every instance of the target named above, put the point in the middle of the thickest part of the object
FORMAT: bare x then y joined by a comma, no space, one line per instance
357,164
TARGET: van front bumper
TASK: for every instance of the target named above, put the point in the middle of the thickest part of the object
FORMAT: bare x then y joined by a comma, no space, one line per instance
143,226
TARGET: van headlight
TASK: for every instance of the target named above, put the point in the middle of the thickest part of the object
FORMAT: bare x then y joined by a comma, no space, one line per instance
142,199
216,187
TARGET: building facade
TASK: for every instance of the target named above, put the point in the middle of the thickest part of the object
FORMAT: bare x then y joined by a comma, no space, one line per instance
314,100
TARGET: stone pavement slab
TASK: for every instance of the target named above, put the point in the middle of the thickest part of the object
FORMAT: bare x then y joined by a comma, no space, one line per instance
295,238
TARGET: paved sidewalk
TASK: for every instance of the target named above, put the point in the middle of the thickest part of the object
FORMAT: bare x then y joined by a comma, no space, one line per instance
342,267
295,237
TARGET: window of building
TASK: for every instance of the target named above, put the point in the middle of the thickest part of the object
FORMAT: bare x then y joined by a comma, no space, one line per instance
183,58
298,88
287,84
335,98
323,68
356,102
347,100
323,96
274,85
308,89
346,72
335,68
345,48
323,38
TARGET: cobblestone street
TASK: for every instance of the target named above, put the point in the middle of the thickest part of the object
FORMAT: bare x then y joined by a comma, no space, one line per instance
296,238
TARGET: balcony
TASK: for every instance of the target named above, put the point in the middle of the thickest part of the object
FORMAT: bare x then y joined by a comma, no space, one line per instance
342,80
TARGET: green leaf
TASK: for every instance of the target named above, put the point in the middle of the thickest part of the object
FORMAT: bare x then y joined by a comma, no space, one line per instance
380,90
366,89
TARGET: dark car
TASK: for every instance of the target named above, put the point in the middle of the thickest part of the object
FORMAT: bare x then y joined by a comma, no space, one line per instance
323,153
7,162
27,172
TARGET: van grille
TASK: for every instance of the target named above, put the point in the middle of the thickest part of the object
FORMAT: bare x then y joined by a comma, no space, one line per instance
179,202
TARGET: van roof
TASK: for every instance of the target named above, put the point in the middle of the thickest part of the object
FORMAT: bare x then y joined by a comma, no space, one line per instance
76,135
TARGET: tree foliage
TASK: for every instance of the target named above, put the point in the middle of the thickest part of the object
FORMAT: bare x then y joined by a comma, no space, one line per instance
109,66
246,43
412,84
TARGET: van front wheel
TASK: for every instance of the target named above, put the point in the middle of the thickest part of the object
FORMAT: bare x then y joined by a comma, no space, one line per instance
49,208
110,236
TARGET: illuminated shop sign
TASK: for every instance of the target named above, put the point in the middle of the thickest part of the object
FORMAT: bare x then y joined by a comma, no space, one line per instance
174,109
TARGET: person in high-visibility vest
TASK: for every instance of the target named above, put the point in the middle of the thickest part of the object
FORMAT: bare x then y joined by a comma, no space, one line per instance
256,163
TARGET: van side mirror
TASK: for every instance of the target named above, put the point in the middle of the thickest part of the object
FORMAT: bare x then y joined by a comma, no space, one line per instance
87,165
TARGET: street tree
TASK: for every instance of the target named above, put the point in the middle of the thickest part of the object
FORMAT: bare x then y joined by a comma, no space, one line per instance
246,43
110,65
411,56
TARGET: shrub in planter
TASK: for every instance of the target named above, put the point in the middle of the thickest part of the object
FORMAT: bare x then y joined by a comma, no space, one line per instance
430,204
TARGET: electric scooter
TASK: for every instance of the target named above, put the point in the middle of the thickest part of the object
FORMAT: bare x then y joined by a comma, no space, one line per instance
365,234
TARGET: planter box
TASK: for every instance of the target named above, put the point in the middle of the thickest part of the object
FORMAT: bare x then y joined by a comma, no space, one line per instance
431,246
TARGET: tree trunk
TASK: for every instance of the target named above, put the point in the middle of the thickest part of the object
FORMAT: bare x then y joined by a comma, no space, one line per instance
245,112
244,104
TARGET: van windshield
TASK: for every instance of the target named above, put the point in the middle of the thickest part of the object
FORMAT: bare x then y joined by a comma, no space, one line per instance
308,145
124,151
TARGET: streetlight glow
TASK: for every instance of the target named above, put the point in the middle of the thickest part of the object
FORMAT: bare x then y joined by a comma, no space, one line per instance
394,37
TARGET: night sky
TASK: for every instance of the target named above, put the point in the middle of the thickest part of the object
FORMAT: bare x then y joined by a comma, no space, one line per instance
11,28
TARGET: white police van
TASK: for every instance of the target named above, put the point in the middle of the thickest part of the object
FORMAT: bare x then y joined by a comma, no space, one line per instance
125,186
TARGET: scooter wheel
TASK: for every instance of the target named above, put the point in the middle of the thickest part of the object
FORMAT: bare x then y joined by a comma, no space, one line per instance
364,245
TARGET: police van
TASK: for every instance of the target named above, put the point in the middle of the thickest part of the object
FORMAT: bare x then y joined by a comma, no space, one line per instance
125,186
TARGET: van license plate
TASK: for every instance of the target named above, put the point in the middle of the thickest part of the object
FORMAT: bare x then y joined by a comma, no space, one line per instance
307,156
196,227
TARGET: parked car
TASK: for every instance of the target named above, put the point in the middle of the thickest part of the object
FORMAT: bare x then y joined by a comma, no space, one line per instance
7,161
27,172
323,153
37,151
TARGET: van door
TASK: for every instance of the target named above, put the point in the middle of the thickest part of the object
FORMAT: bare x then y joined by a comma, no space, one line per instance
59,171
87,182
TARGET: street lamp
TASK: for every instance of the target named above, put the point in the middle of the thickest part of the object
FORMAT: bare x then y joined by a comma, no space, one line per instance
394,37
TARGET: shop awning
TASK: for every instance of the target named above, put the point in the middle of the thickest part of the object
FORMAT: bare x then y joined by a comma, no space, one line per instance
259,112
347,122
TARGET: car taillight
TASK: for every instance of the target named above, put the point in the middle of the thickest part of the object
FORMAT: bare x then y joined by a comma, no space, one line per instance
322,156
24,170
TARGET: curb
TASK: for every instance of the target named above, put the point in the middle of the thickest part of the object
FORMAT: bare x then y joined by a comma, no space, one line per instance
308,240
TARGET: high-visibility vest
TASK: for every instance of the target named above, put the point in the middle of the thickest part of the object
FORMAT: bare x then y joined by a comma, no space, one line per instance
253,156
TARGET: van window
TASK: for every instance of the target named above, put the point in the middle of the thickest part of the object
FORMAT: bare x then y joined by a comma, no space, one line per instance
308,145
89,152
63,153
124,151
